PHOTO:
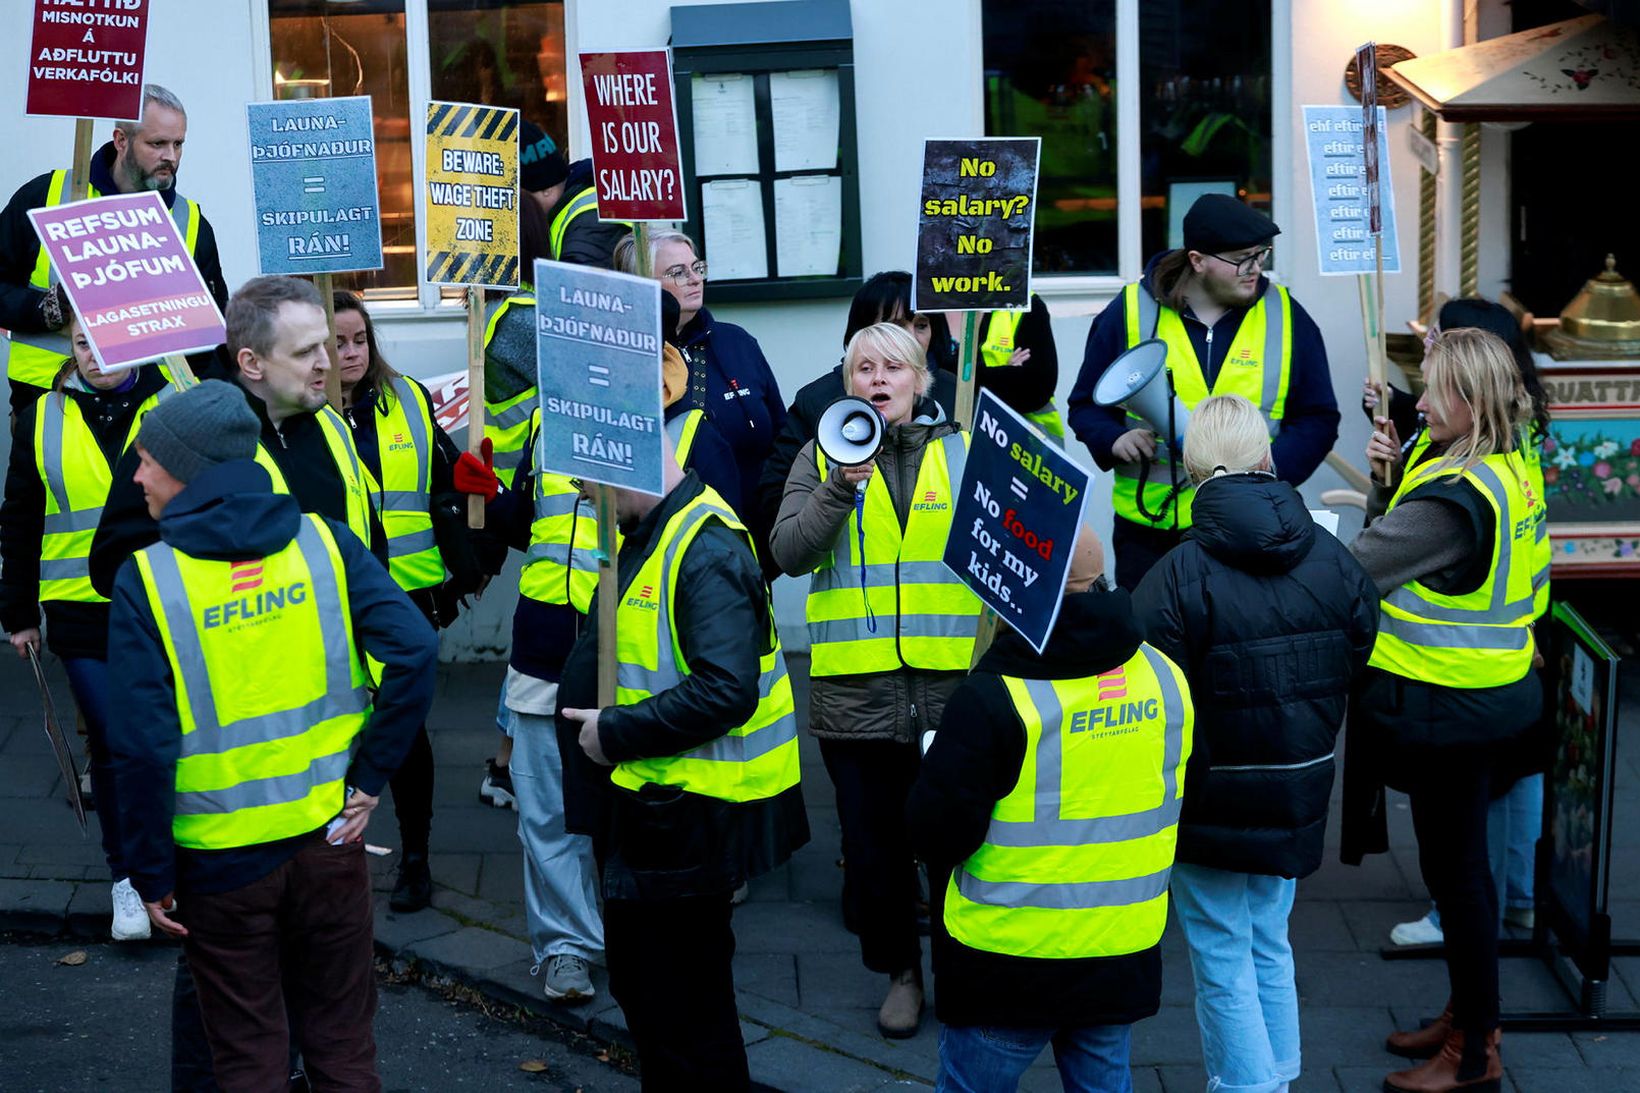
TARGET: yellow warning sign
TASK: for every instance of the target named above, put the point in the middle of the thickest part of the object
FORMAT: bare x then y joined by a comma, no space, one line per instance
471,198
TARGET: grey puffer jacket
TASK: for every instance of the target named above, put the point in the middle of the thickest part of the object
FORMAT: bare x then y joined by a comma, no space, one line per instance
896,705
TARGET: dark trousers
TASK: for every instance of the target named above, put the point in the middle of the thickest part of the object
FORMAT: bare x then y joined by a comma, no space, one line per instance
671,968
413,795
1449,804
1138,547
190,1050
88,680
873,778
299,937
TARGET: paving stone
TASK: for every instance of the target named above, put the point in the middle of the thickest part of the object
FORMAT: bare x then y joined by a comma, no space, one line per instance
474,829
33,906
466,951
1182,1079
80,852
54,871
1371,920
769,975
1363,979
785,1064
1608,1049
501,878
1532,1079
458,872
8,854
1377,877
783,928
91,909
31,776
1341,1035
1316,926
837,980
1169,1038
395,931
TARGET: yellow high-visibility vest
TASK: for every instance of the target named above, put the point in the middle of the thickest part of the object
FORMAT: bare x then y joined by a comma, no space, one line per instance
1482,638
1257,365
1077,857
35,358
404,443
924,615
355,478
507,423
750,761
77,478
265,752
995,350
584,203
682,430
561,565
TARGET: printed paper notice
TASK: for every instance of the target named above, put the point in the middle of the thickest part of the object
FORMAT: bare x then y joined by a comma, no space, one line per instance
725,114
804,109
808,225
732,216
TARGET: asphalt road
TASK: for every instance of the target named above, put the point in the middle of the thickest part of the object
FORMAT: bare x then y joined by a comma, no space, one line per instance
105,1025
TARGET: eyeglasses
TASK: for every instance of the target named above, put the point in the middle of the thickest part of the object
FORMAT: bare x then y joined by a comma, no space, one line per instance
1259,259
679,275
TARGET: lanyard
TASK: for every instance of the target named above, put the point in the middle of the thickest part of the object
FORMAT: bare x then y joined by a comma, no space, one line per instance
860,526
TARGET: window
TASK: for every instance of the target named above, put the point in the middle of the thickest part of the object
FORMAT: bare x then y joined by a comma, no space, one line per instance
494,52
1186,82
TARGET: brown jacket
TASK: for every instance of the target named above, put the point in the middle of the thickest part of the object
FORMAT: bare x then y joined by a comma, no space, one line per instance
897,705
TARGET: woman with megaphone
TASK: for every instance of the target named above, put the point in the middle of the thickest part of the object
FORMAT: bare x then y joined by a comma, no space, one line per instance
867,509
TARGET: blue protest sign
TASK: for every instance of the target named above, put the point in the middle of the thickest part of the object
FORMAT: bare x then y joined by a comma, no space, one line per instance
598,365
313,167
1019,509
1343,198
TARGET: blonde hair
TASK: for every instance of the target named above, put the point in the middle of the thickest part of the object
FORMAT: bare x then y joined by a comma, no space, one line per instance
625,255
1476,368
889,341
1226,434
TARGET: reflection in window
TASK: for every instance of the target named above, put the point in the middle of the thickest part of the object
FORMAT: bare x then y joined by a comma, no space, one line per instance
1204,108
483,51
1050,71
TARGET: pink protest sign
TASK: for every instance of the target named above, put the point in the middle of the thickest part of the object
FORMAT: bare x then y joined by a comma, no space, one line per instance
635,160
131,280
85,59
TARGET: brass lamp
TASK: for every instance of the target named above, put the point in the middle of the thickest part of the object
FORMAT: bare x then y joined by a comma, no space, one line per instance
1601,323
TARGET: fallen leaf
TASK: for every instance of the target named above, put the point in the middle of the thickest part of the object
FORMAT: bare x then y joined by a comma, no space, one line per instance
73,959
533,1066
603,1056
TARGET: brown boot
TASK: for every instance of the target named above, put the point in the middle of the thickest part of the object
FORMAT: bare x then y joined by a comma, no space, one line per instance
1440,1074
1425,1042
902,1009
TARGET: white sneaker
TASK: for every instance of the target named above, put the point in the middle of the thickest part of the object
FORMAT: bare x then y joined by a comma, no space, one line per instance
130,916
1418,932
568,979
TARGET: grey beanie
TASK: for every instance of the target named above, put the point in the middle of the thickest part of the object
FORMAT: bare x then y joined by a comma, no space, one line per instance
205,425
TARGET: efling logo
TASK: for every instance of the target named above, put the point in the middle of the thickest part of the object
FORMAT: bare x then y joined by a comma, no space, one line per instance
930,502
245,575
645,599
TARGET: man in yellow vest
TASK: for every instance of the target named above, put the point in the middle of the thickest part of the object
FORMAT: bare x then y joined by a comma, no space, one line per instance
1048,808
141,157
248,750
276,351
703,794
1229,331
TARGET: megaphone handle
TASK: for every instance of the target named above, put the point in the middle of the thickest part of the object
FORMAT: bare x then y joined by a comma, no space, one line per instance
860,527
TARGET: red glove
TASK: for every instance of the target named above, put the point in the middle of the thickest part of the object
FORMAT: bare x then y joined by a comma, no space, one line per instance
478,477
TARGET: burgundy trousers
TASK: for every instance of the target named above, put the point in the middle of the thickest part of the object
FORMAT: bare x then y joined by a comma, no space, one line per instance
300,936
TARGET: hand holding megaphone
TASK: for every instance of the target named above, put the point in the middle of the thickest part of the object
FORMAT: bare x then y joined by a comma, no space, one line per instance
850,434
1138,381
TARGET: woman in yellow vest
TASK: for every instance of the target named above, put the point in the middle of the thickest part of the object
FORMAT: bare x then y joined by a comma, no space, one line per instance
891,631
410,460
62,457
1451,683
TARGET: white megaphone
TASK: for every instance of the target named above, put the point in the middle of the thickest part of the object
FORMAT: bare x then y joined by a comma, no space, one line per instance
850,432
1138,380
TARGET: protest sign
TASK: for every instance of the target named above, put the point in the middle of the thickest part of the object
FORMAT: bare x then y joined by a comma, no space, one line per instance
470,203
85,60
974,224
598,362
1343,208
1018,513
313,168
130,278
635,162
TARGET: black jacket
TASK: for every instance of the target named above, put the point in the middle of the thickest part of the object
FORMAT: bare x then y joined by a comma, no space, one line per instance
1026,387
588,241
298,448
973,763
1270,618
72,629
665,842
802,418
229,513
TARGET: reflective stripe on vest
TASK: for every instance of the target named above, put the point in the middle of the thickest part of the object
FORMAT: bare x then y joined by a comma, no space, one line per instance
750,761
507,423
682,430
1264,336
35,358
77,477
581,204
1481,638
404,443
339,439
925,615
270,691
561,565
1077,857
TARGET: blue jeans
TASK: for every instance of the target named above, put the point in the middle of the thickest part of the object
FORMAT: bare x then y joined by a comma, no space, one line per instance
88,680
1514,823
991,1059
1246,1000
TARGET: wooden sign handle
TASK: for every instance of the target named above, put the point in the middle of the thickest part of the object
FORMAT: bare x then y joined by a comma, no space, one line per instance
968,369
333,378
475,393
84,140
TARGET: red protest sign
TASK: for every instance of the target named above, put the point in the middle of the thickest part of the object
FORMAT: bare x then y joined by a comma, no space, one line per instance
86,58
635,160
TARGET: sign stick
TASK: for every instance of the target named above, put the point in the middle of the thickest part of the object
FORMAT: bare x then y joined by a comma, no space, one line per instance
333,378
475,393
182,373
967,368
83,142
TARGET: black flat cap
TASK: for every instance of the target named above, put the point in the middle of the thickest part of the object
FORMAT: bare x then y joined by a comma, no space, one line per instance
1218,222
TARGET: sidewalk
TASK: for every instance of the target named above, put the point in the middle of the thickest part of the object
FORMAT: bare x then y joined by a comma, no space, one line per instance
808,1007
